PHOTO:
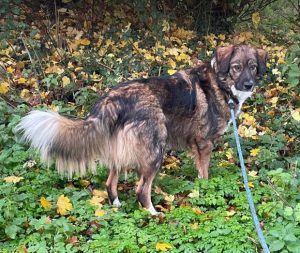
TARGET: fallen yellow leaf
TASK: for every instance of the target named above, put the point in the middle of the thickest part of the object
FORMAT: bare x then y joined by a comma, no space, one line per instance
10,70
194,194
230,213
54,69
197,210
254,151
171,71
44,94
21,80
13,179
252,173
84,42
149,57
183,57
221,37
296,114
63,205
194,226
169,198
96,201
249,132
66,81
100,193
251,184
45,203
163,246
255,19
172,63
229,153
4,88
84,183
25,93
100,213
171,166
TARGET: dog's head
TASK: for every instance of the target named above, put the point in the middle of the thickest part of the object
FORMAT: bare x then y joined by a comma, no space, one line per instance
238,66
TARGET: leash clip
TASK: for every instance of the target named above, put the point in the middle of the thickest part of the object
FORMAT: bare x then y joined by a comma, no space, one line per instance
231,103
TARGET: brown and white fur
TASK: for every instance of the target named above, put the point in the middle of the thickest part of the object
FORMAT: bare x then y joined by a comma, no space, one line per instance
133,124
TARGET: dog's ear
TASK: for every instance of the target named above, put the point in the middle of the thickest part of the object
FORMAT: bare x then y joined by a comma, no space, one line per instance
262,57
222,59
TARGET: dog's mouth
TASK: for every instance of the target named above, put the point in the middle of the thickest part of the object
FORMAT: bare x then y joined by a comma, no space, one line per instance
241,95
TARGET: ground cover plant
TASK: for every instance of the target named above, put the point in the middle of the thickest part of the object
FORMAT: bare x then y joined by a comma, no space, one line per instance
62,56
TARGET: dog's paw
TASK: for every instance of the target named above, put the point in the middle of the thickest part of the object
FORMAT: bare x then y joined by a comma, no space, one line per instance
153,211
116,202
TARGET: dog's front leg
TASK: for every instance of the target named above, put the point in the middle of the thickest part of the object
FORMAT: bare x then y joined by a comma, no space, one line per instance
201,152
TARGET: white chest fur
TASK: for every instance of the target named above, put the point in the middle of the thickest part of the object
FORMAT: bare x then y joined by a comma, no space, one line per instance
241,96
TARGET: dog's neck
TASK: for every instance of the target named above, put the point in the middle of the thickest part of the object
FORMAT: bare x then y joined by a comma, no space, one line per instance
241,96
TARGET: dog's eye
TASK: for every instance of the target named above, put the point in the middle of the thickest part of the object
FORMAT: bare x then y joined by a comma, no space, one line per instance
252,67
237,68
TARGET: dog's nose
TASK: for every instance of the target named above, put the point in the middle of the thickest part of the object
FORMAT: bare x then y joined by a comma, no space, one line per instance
248,85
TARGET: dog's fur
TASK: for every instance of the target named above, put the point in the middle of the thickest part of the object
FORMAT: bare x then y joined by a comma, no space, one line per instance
137,121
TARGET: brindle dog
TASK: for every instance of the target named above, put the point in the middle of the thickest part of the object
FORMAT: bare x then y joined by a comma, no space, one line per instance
133,124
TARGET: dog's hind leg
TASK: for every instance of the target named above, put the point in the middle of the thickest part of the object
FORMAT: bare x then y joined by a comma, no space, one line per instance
201,152
143,190
111,187
151,159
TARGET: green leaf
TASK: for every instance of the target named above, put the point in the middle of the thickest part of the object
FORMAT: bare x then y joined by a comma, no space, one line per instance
291,238
288,211
11,231
275,233
297,216
294,246
276,245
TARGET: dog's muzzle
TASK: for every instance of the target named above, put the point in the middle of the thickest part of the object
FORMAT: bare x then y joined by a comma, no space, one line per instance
248,85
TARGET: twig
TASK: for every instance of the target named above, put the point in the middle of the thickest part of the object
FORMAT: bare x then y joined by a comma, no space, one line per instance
57,25
6,101
105,66
29,55
36,55
11,46
276,192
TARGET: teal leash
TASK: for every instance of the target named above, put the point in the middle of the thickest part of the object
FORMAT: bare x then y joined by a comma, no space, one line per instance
249,195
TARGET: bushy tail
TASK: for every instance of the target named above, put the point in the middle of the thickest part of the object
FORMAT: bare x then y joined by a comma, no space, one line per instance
74,145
